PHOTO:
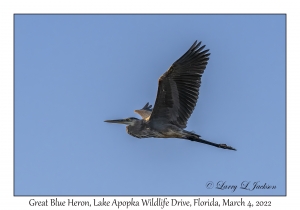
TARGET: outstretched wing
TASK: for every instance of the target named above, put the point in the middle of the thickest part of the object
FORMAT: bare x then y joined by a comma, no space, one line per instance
145,112
178,88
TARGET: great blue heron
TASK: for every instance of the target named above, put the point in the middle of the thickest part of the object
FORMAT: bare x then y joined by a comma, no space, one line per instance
177,95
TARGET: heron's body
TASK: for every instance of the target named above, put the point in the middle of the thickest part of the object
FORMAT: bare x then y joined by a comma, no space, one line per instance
146,129
177,95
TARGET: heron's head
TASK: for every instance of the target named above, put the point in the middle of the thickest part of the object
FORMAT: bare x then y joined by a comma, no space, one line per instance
127,121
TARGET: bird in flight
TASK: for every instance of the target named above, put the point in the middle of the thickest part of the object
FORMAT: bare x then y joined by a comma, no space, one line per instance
177,95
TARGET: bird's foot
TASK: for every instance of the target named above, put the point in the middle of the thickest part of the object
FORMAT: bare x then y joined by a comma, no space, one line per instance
224,146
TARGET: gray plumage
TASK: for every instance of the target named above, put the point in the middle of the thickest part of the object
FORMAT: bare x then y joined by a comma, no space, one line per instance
177,95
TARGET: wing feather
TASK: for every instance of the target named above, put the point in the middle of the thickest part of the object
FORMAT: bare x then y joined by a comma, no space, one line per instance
145,112
178,88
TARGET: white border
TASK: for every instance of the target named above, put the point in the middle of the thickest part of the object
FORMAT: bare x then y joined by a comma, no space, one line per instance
8,8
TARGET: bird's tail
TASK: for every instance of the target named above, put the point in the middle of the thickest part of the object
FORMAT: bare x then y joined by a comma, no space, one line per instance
195,137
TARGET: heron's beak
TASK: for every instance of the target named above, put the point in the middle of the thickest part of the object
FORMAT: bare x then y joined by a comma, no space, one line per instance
121,121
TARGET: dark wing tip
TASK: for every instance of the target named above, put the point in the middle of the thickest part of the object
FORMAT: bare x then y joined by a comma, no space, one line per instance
147,107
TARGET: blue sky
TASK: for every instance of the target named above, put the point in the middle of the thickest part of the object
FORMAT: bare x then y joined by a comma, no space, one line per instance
72,72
